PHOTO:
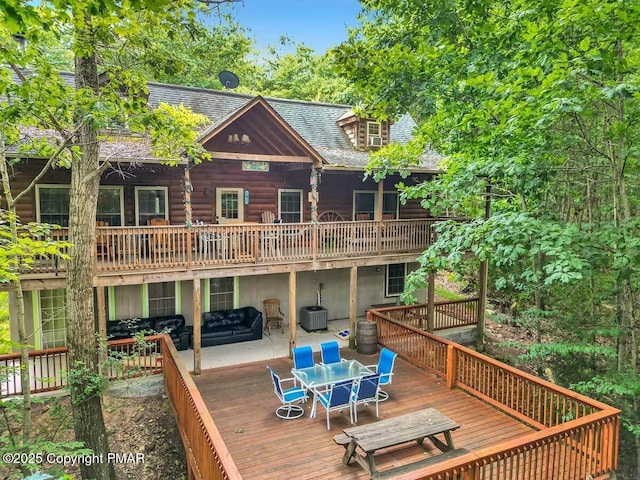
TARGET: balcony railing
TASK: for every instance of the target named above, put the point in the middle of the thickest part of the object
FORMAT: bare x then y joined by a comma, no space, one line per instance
178,247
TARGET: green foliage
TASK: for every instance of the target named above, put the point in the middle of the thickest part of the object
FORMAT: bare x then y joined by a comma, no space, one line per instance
190,53
303,75
33,240
83,383
174,132
5,333
44,441
539,101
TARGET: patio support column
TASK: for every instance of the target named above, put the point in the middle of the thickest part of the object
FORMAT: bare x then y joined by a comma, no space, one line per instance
378,215
353,304
314,180
313,198
197,350
431,294
482,288
187,195
188,220
102,317
292,312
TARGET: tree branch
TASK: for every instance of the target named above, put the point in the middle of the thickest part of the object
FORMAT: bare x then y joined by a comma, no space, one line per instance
47,166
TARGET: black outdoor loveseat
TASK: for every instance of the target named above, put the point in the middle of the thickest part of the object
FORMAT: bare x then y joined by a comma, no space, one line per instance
173,325
229,326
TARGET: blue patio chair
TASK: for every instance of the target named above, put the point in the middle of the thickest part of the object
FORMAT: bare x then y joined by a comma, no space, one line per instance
385,369
335,397
288,397
330,352
367,391
302,357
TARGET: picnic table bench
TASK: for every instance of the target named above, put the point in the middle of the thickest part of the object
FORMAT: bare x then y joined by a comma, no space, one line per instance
411,427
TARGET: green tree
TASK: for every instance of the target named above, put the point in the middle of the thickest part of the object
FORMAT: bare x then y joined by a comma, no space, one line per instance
303,75
21,244
538,99
192,56
76,117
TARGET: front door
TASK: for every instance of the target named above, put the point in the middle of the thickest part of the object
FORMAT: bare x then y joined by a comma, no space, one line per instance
229,205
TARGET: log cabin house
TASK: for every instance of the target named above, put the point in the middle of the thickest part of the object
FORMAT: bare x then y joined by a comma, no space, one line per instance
283,210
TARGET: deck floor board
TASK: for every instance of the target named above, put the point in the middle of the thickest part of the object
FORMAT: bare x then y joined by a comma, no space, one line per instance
242,403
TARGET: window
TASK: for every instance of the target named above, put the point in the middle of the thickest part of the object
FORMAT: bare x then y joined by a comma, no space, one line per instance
374,134
110,206
290,205
366,202
221,293
53,318
162,299
53,205
151,202
394,281
229,205
390,204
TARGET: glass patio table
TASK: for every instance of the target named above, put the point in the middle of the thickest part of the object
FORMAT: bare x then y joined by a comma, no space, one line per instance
319,376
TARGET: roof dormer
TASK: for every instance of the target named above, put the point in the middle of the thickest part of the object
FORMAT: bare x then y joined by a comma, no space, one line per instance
365,133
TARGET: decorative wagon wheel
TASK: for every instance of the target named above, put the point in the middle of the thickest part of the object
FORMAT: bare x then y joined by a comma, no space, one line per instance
327,240
330,216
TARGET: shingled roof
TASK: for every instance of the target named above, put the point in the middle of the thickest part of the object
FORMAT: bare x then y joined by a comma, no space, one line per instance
315,122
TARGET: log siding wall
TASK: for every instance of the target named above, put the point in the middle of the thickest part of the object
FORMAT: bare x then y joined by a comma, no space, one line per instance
335,189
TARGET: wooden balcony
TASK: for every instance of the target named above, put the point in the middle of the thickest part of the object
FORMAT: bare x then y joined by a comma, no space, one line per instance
122,250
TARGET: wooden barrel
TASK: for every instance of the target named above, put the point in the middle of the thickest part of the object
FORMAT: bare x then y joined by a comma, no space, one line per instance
367,337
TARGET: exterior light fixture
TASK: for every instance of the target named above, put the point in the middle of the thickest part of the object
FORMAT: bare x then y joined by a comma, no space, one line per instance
239,139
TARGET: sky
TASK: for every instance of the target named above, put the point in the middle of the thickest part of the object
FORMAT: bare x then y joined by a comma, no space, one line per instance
317,24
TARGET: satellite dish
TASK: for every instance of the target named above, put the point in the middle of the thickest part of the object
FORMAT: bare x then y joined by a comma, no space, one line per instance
228,79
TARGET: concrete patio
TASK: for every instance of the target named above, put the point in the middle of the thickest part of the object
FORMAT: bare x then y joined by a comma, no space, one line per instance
275,345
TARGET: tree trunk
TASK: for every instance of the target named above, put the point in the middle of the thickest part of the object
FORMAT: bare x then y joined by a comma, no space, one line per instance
25,377
84,381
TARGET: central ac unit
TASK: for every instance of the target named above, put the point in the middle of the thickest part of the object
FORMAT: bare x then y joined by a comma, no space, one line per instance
375,141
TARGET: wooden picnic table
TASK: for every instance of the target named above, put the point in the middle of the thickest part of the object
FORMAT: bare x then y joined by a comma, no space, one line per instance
411,427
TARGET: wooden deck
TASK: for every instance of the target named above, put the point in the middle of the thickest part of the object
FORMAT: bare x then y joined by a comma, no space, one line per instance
242,403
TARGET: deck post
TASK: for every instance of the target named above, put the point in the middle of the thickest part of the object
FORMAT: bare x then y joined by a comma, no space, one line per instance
313,198
314,179
197,343
431,306
482,288
353,304
378,215
102,319
292,312
451,366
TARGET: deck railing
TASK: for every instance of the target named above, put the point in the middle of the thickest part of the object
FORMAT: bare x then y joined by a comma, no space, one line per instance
47,368
207,455
447,314
577,437
201,246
